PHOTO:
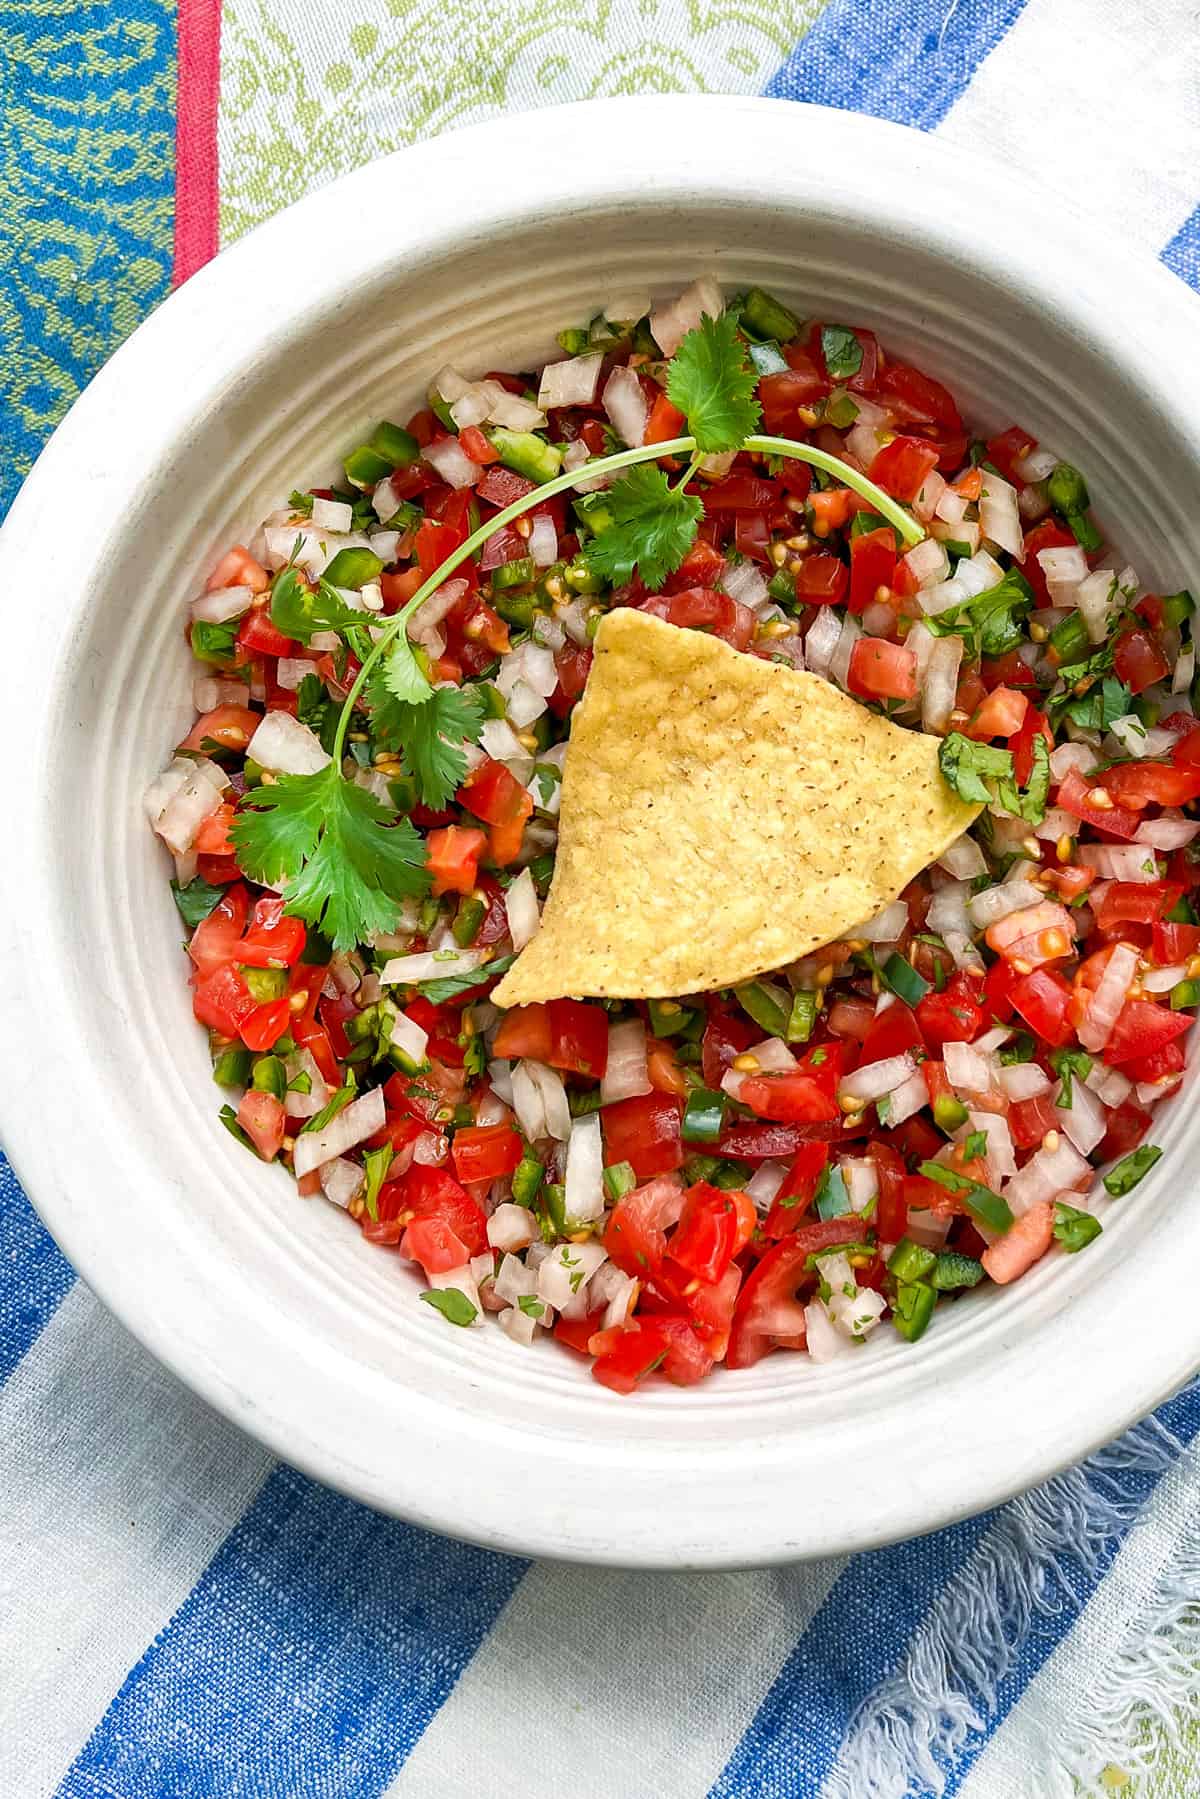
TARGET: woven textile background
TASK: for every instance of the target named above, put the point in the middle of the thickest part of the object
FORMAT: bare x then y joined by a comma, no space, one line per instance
179,1615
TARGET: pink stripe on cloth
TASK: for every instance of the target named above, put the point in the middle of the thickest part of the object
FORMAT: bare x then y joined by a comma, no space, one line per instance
199,64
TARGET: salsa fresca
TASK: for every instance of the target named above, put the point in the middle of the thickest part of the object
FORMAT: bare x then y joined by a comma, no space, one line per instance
946,1094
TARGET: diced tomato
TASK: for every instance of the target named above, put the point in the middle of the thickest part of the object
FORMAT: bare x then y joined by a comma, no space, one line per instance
215,939
1023,1244
872,566
1008,671
892,1032
1127,1126
1009,448
573,664
726,1034
579,1037
645,1132
915,1139
1030,1119
798,1190
715,1226
880,670
704,609
740,493
425,1192
1176,942
625,1356
663,1069
1142,1029
1043,999
500,487
955,1015
850,1016
272,939
1073,797
577,1333
822,580
433,543
1158,1065
1067,880
636,1234
770,1312
832,508
788,394
1046,535
398,590
485,1152
1140,784
230,726
1138,660
664,422
703,566
524,1031
212,836
915,398
789,1098
452,858
257,636
431,1242
238,568
262,1117
688,1357
222,1001
1135,902
475,445
891,1215
492,792
901,466
745,1142
1002,714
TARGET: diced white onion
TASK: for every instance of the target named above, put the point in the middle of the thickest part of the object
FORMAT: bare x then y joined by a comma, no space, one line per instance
1094,597
473,406
839,665
181,799
773,1056
360,1119
291,670
332,515
463,1281
521,906
1056,824
964,859
584,1198
1023,1080
452,463
222,604
928,562
499,741
1037,465
1106,1002
966,1068
951,506
525,704
886,926
1064,569
745,581
994,903
519,1325
999,514
822,640
765,1183
824,1340
625,404
1170,832
409,1037
341,1180
511,411
570,383
428,965
543,540
1109,1085
208,693
1049,1172
513,1280
1161,980
554,1099
875,1079
564,1273
1001,1159
1084,1120
450,384
625,1075
929,495
862,1181
284,746
530,664
939,685
1185,670
1120,862
670,324
908,1099
621,1302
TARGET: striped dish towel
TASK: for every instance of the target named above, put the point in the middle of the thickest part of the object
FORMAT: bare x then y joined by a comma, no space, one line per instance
179,1615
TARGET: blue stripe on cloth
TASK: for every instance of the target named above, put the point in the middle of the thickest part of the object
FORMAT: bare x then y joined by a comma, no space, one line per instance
307,1661
904,60
855,1642
1182,254
34,1275
851,1645
1180,1415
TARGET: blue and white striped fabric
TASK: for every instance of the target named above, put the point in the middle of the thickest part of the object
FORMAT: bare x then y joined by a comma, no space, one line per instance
179,1615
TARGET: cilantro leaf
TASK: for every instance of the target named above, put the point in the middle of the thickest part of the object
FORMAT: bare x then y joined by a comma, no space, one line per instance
403,675
429,735
449,986
981,773
842,351
1066,1063
297,610
711,380
345,863
1074,1229
196,900
653,528
453,1304
990,624
1100,706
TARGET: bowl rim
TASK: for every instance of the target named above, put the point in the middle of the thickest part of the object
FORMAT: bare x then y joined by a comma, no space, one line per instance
657,149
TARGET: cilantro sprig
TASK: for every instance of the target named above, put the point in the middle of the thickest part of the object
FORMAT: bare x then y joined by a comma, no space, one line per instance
345,861
983,774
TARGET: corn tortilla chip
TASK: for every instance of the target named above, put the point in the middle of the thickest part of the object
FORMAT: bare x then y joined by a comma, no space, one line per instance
721,816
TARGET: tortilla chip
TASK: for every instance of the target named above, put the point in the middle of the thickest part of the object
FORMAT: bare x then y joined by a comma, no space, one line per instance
721,816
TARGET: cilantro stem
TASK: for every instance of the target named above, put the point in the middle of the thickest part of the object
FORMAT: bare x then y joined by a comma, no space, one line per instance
909,529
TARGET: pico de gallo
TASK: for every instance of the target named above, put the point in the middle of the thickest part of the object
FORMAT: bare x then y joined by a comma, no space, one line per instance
956,1089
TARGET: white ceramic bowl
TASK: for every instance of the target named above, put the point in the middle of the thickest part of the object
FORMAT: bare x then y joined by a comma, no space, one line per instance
475,249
